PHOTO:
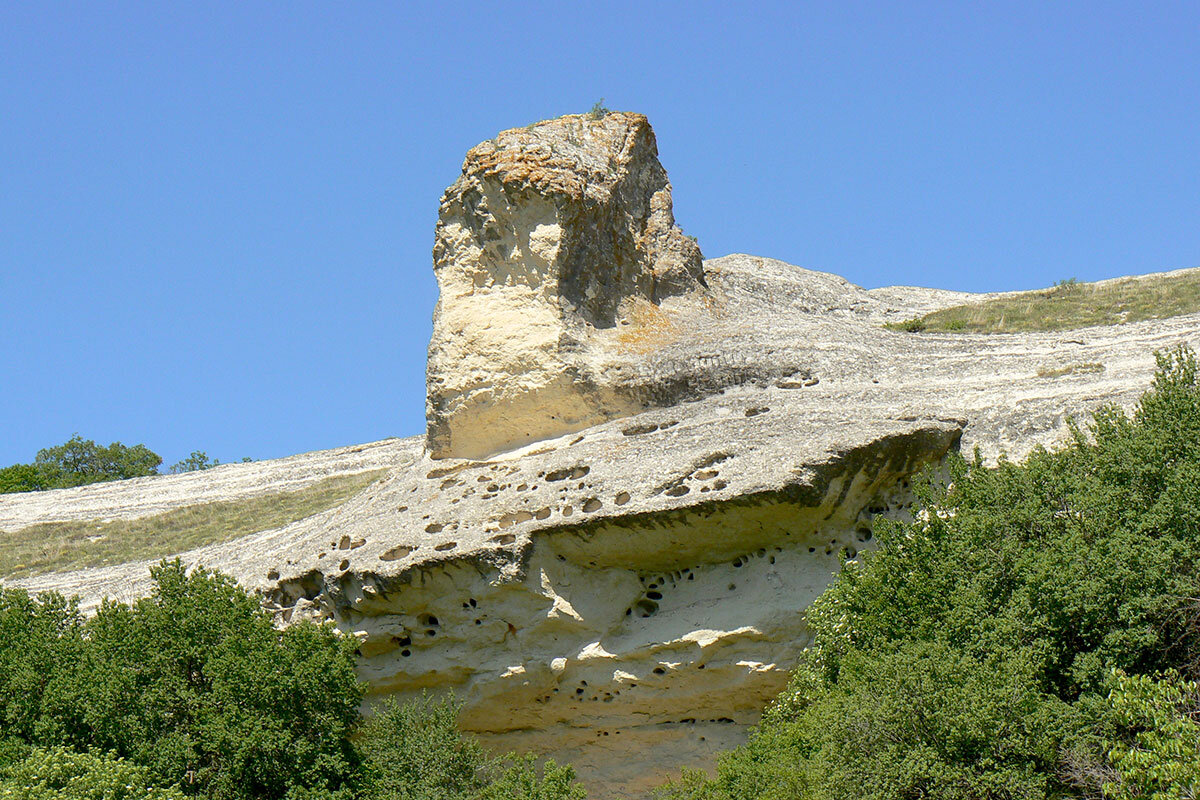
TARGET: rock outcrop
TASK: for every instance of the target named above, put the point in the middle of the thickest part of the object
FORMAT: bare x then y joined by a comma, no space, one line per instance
554,235
640,469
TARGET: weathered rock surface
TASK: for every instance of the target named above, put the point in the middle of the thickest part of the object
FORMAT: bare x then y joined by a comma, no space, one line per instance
554,235
626,591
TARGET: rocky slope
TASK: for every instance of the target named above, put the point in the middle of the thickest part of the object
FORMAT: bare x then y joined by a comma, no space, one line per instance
623,586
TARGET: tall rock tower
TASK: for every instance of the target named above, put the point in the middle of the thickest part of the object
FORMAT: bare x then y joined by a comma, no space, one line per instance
553,253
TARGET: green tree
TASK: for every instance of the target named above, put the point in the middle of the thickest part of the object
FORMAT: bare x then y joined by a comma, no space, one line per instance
1158,757
194,679
25,478
60,774
414,751
81,461
196,462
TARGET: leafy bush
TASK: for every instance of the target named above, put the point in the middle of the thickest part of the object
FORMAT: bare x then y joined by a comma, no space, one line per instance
193,690
25,478
194,679
971,655
414,751
60,774
196,462
1159,756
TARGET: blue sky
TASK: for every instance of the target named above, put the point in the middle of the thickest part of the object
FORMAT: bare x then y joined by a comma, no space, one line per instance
216,218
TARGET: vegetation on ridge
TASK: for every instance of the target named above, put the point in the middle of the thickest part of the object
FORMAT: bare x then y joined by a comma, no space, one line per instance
1068,304
1034,634
59,546
79,462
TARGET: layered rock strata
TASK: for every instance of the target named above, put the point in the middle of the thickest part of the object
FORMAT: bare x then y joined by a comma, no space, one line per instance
640,469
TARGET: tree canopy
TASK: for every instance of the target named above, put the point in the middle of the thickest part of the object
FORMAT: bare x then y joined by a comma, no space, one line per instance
192,692
77,462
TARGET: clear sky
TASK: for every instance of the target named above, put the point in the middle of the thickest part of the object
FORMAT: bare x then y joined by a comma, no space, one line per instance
216,218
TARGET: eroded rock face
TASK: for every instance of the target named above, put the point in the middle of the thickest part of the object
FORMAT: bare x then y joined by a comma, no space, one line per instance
628,593
552,236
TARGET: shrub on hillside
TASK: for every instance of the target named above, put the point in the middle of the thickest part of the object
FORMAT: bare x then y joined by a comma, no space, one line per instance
414,751
971,655
192,682
193,689
1159,756
60,774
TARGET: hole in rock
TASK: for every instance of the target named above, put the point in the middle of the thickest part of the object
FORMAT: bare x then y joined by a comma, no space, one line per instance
402,508
399,551
863,534
406,653
677,491
428,620
654,595
622,498
659,671
504,538
344,565
434,527
273,575
444,546
638,430
648,608
591,505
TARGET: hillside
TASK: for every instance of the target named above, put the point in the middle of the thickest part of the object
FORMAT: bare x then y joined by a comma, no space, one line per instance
642,466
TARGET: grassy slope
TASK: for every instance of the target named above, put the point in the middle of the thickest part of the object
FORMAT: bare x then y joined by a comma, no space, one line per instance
1069,305
58,546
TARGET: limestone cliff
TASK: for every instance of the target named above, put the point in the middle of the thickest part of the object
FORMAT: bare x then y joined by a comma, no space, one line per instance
640,469
552,236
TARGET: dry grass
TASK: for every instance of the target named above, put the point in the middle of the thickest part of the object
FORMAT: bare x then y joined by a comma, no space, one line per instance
1069,305
59,546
